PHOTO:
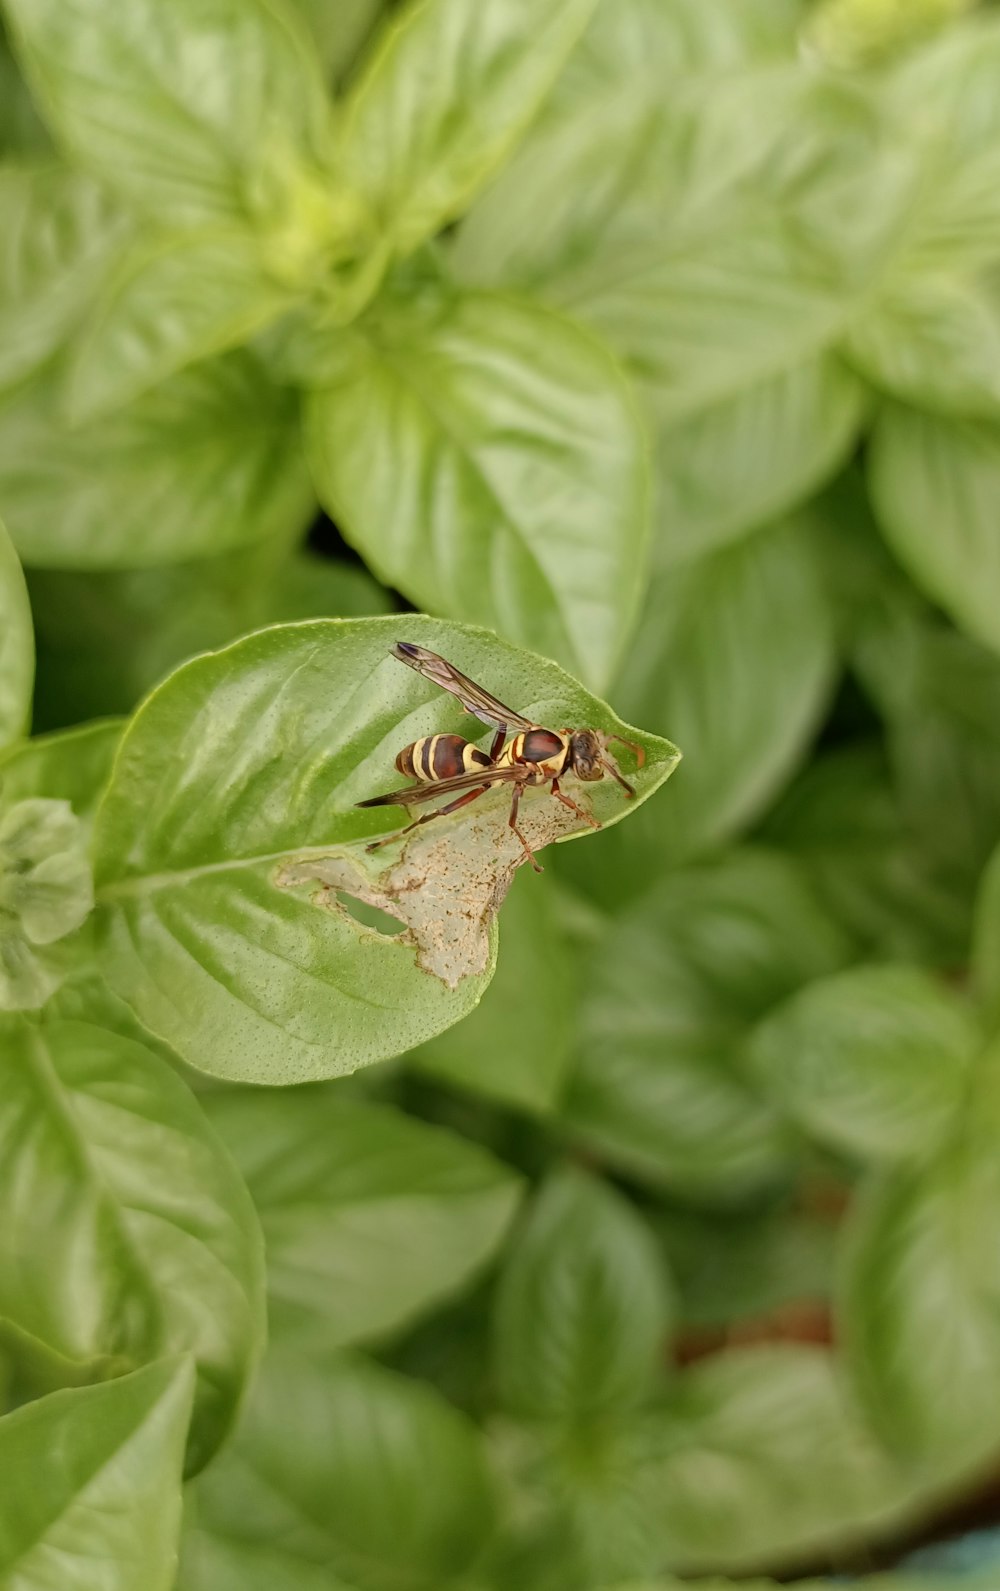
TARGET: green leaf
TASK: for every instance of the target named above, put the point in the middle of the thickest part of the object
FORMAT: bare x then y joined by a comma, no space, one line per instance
443,100
919,1296
92,1485
369,1217
207,462
212,1562
348,1466
176,299
935,485
735,652
138,1238
180,108
934,341
535,973
58,233
72,766
986,944
17,645
874,1061
237,783
751,457
793,1468
21,132
487,461
843,822
341,30
46,893
582,1311
660,1087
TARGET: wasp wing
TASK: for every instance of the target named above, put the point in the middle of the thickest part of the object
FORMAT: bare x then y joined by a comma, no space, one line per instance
472,696
414,794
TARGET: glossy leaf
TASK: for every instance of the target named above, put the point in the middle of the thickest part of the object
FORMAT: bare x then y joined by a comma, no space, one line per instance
111,1459
793,1466
138,1238
72,766
660,1087
581,1316
178,108
874,1061
934,484
214,1562
208,462
369,1217
735,652
934,341
58,234
174,301
443,100
17,645
920,1300
535,974
752,457
46,893
240,776
367,1474
515,495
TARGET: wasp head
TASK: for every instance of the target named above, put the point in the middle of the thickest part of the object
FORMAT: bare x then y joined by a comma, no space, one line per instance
586,754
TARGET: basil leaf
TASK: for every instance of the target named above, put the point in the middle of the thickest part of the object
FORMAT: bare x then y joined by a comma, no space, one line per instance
516,494
214,1562
111,1461
236,787
738,1267
660,1086
919,1310
581,1318
535,972
21,132
341,31
207,462
132,1192
58,233
770,1424
874,1061
369,1217
363,1472
46,894
17,645
749,458
72,766
174,300
179,109
444,98
934,484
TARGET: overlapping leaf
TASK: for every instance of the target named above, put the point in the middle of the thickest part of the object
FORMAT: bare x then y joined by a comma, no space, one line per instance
137,1237
486,459
369,1217
111,1459
17,645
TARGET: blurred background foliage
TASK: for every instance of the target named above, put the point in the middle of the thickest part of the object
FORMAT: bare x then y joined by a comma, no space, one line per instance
738,1068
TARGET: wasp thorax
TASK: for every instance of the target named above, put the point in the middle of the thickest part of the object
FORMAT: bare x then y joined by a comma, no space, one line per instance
586,747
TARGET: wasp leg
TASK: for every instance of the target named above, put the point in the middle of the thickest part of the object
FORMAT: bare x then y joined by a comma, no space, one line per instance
515,802
428,817
640,755
565,799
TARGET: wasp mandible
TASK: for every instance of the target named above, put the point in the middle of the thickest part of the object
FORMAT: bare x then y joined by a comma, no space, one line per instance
451,765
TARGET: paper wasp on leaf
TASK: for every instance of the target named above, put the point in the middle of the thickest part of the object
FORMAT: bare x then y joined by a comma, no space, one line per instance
451,765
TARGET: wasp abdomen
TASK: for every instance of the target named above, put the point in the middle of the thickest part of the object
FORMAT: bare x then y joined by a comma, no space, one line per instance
438,757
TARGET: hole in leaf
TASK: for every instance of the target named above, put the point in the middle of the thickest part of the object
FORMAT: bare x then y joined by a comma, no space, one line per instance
370,916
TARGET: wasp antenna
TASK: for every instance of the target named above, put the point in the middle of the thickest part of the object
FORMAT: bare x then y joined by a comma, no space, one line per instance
616,773
640,754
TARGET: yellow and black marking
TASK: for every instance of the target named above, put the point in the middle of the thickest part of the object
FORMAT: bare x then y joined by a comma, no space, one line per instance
542,750
438,757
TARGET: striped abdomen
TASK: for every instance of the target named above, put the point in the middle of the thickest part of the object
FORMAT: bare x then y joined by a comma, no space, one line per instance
542,752
440,757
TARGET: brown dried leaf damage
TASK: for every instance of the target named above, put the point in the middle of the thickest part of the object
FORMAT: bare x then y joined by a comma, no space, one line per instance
447,884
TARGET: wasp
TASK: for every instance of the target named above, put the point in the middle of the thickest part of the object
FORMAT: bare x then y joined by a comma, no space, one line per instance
442,765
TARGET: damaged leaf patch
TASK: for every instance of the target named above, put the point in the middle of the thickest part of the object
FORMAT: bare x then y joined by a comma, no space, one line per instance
233,796
448,884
